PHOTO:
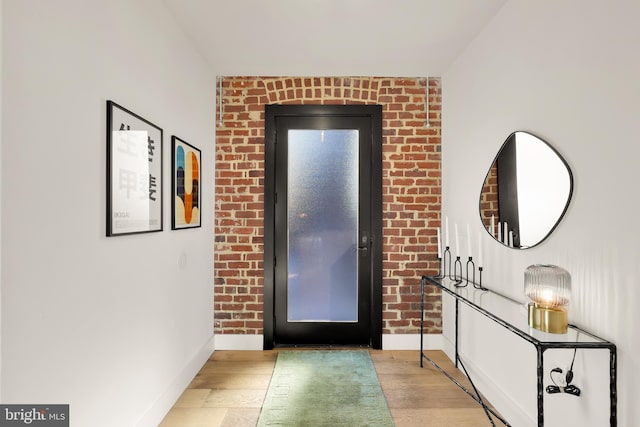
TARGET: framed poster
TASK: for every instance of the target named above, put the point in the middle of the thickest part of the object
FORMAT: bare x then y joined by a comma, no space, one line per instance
185,183
134,173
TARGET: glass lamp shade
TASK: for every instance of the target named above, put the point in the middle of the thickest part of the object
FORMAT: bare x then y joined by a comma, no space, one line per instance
549,289
547,285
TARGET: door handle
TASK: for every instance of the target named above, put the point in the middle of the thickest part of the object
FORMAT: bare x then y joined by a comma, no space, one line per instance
364,242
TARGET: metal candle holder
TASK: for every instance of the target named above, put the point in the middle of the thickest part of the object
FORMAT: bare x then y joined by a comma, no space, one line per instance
444,271
442,264
479,284
457,279
473,269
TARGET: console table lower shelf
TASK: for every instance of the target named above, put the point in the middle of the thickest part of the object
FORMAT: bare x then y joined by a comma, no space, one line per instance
492,305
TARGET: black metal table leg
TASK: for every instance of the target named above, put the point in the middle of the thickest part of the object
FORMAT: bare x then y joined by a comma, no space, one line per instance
457,320
422,283
540,394
613,380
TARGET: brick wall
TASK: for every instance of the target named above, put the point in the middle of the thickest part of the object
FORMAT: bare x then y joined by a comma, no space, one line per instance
411,192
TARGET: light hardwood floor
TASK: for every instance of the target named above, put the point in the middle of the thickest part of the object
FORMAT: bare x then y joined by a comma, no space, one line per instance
229,390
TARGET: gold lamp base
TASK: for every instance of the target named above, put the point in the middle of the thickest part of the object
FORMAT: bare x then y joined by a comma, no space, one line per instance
553,320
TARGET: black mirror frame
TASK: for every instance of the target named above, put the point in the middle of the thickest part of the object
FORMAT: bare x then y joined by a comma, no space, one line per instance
495,160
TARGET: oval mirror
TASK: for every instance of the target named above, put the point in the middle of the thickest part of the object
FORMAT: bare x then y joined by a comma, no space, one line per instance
526,192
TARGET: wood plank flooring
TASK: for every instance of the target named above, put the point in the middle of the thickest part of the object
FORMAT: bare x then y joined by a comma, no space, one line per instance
229,390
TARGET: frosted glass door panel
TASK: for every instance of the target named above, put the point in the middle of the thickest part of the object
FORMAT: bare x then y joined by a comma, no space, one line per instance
322,215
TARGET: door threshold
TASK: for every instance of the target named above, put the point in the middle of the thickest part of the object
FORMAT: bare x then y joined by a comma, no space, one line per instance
322,346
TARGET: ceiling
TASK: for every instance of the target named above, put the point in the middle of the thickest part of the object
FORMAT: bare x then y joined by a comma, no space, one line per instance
332,37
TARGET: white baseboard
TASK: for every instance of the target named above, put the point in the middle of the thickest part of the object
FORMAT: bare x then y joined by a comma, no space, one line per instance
238,342
389,342
153,417
449,348
411,341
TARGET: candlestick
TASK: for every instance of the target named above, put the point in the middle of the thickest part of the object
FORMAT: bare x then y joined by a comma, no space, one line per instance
479,251
446,232
499,232
439,247
457,240
510,239
468,240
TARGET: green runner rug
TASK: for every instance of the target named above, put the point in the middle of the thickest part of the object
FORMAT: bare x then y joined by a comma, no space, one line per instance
312,388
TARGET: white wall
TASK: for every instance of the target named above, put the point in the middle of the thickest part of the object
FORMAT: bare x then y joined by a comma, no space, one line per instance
1,100
568,72
118,326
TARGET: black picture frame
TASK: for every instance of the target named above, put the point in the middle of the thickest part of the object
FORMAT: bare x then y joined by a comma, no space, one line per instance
134,173
186,185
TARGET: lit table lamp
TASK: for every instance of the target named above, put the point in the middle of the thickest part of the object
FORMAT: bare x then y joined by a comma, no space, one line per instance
549,289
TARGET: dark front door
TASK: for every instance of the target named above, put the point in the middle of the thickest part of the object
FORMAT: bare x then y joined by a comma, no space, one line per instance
323,248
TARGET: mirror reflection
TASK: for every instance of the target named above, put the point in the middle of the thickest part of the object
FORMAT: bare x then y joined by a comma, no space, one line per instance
526,191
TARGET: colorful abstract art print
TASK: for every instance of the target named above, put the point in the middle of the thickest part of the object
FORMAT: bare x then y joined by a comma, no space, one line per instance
134,173
186,179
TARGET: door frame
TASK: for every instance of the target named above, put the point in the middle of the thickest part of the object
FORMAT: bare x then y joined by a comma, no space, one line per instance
374,113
